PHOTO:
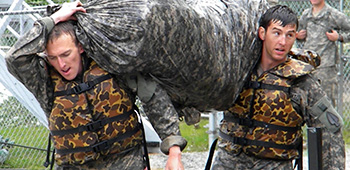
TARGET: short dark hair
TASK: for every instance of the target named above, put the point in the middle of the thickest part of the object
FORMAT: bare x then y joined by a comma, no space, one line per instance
280,13
67,27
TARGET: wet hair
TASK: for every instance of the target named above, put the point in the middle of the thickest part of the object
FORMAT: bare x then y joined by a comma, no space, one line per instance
279,13
61,28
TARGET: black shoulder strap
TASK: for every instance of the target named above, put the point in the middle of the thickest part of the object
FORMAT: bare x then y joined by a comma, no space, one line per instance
82,87
260,85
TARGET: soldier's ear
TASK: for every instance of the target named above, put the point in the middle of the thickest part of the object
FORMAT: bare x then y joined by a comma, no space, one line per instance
80,48
262,33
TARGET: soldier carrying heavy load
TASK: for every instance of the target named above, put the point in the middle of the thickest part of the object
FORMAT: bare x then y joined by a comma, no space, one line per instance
186,54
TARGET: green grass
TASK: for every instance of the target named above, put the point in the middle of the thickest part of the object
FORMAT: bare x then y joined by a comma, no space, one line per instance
197,138
34,136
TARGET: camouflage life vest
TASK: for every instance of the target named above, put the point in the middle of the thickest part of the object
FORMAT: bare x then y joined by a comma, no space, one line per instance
91,119
263,122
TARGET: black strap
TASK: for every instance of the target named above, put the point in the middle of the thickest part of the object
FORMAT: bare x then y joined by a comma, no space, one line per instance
299,161
254,123
146,157
260,85
94,126
245,142
211,154
47,161
101,146
52,159
82,87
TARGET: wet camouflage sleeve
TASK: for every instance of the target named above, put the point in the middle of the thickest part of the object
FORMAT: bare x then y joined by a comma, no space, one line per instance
23,62
329,80
165,120
333,148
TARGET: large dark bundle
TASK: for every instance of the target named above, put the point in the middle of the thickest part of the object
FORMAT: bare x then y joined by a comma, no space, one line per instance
200,50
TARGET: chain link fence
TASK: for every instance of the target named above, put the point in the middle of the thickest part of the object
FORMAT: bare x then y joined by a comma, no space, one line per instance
23,139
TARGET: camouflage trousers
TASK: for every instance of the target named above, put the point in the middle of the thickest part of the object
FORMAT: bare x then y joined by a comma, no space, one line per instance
328,77
225,161
129,160
333,157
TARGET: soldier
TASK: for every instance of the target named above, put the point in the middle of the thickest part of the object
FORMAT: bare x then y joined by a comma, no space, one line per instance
321,27
92,128
199,52
262,130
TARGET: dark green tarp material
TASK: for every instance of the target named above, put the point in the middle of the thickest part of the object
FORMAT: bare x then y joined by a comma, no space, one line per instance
200,51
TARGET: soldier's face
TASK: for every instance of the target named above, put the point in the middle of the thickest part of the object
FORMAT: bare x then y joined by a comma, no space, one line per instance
65,56
277,42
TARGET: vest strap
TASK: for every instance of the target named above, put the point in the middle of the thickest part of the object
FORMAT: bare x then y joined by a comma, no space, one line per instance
254,123
101,146
260,85
82,87
245,142
94,126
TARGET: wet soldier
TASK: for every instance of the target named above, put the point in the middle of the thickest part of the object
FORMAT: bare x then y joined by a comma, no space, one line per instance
262,130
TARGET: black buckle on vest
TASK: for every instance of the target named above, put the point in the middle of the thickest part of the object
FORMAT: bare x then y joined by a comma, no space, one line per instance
100,146
245,122
81,87
94,126
254,84
240,141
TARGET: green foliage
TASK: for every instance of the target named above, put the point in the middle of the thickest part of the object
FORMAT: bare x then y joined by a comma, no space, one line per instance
196,136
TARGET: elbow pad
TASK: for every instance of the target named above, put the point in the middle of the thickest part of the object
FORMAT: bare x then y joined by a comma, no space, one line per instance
327,115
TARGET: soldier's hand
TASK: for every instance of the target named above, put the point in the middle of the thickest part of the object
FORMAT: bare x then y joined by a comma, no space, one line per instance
174,159
66,12
332,35
301,35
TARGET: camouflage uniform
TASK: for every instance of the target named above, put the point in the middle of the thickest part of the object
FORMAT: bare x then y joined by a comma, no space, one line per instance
231,156
316,26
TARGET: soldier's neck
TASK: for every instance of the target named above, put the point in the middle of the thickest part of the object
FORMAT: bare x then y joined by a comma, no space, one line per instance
316,9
